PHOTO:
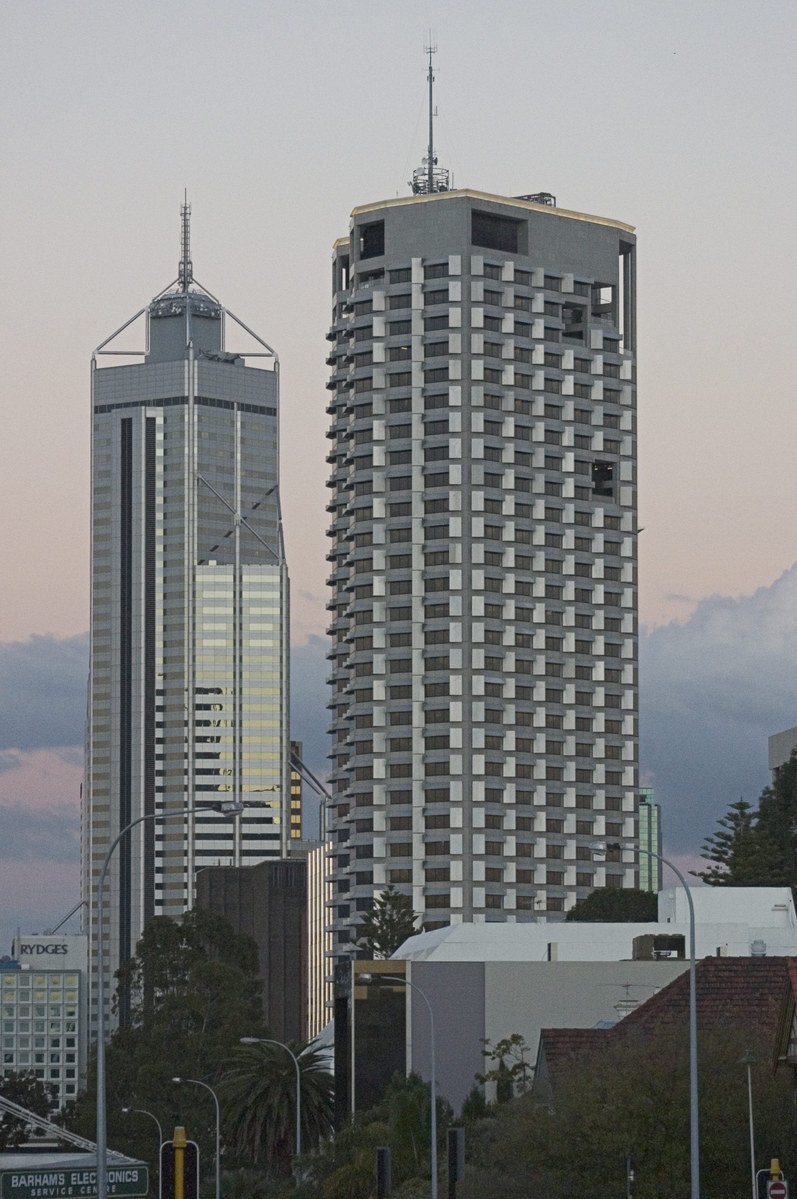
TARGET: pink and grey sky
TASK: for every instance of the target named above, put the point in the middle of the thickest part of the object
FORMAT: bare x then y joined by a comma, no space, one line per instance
678,117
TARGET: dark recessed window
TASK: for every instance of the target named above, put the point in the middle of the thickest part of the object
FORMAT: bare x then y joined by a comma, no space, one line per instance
603,478
372,240
495,232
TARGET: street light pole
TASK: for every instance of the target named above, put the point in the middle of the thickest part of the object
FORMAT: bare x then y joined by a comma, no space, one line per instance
749,1061
234,807
142,1111
694,1134
292,1055
197,1082
397,978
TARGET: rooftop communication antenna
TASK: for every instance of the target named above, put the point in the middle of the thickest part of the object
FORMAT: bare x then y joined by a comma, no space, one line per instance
429,177
185,272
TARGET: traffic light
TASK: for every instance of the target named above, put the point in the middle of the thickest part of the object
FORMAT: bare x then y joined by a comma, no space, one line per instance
455,1142
383,1186
179,1172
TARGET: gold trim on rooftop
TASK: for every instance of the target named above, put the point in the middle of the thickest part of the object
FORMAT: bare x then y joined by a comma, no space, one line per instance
507,201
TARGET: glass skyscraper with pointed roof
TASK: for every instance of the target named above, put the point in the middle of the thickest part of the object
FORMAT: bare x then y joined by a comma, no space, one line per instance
189,612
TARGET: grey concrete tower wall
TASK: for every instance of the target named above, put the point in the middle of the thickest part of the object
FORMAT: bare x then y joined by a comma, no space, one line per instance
268,902
189,618
483,550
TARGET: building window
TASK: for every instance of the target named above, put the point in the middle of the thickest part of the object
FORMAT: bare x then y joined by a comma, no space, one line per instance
603,478
495,232
372,240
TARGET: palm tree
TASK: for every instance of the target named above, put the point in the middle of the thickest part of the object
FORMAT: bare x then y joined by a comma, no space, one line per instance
259,1097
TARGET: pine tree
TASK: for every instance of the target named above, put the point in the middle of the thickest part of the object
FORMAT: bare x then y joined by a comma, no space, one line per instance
388,925
744,851
615,905
777,817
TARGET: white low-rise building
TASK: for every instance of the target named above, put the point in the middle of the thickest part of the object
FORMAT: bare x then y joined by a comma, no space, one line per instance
490,980
729,921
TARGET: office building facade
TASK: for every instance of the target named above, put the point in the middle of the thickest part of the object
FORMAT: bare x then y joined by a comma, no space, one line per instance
483,550
268,902
43,995
319,939
650,866
189,613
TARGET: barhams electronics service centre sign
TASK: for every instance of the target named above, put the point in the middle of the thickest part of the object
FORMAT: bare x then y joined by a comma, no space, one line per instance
79,1183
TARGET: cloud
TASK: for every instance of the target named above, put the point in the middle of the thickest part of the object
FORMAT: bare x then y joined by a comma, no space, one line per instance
43,692
712,690
29,905
36,834
43,780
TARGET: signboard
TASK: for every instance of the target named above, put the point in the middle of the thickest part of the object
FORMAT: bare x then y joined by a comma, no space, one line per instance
64,952
77,1183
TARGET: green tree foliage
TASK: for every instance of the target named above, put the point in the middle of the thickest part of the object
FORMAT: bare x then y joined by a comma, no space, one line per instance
389,923
258,1096
475,1106
633,1098
511,1070
616,904
344,1167
24,1088
744,851
195,993
195,954
777,821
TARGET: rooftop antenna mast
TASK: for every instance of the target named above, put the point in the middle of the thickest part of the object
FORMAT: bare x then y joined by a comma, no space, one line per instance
428,177
186,269
431,49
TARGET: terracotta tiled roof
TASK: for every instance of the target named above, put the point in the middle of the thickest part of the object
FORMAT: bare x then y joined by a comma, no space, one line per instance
731,993
784,1043
559,1047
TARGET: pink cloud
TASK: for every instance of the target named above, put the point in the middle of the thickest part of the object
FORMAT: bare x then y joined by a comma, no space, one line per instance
35,896
42,779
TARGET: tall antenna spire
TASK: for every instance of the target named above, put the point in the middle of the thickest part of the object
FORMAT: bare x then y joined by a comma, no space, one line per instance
186,270
430,159
428,177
